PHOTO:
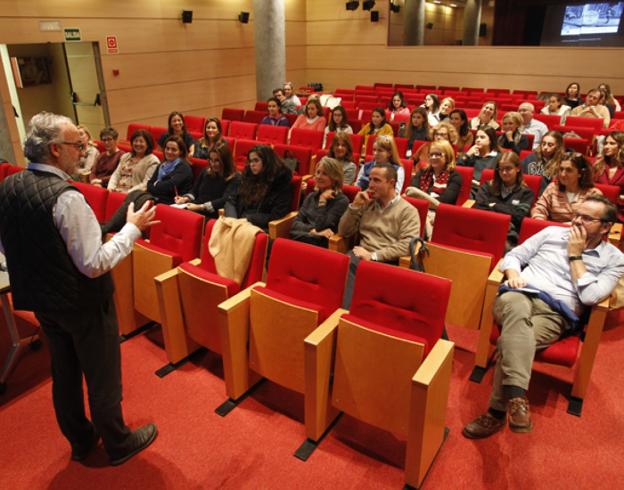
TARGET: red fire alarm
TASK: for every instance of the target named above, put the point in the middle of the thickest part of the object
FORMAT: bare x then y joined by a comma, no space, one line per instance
115,72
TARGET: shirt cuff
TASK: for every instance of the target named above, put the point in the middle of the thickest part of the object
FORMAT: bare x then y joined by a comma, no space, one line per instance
374,257
132,231
586,279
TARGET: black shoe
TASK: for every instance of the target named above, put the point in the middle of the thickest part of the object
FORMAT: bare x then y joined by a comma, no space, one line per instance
80,453
139,440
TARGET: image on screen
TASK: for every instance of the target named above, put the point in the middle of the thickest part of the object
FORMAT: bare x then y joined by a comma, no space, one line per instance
592,18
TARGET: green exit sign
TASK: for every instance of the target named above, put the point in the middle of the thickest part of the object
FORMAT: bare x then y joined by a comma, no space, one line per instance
72,34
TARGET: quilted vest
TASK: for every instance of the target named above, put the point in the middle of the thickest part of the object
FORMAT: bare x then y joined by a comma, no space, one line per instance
43,276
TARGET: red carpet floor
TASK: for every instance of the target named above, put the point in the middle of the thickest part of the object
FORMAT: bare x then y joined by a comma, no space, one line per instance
253,446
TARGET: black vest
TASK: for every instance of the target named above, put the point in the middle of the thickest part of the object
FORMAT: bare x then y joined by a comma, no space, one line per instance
43,276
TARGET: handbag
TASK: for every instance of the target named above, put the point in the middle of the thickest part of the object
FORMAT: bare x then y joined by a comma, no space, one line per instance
417,250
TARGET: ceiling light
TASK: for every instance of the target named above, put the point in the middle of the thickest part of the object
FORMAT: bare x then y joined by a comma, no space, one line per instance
368,4
353,5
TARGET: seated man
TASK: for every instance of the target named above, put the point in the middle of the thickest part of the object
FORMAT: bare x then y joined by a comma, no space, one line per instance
531,125
593,108
566,270
384,222
286,106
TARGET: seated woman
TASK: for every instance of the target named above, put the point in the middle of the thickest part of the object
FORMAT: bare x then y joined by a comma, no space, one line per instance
311,118
575,182
171,178
214,185
397,106
107,162
320,212
572,97
289,94
611,102
135,168
465,138
176,127
432,106
90,154
609,166
444,131
556,107
384,151
545,159
483,154
486,117
416,130
342,151
338,123
212,138
511,138
507,193
438,182
274,117
377,125
264,193
446,107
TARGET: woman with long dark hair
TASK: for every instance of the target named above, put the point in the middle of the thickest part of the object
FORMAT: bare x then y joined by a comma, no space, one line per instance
483,154
338,123
212,138
545,159
417,129
377,125
136,167
609,166
342,151
177,127
465,138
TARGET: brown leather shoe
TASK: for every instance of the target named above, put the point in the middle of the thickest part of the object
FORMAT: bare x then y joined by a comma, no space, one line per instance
519,415
483,426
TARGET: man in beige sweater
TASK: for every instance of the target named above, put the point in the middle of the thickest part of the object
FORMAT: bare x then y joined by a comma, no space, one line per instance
384,222
592,108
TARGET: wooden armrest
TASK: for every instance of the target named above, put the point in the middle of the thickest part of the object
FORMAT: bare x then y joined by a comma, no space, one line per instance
195,262
167,276
319,348
231,303
426,374
468,203
615,233
280,228
496,276
338,243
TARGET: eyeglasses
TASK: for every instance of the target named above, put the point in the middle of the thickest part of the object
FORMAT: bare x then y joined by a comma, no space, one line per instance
80,146
506,169
585,218
435,155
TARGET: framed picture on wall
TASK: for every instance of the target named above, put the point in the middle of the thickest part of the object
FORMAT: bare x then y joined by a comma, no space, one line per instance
34,71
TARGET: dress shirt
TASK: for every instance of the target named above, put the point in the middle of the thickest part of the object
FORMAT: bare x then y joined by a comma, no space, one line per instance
545,256
536,128
81,232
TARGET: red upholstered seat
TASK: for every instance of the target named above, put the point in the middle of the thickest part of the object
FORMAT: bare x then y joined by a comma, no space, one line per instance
114,200
132,127
261,106
179,232
96,197
303,154
306,137
549,120
400,302
611,192
579,145
157,132
232,114
194,124
241,150
272,134
307,273
254,116
423,207
13,169
466,175
533,182
244,130
586,122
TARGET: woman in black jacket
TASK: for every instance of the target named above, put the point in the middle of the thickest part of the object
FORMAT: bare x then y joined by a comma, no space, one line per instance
265,192
512,139
507,193
214,185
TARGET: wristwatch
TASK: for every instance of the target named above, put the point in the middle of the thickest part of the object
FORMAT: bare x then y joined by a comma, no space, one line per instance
574,257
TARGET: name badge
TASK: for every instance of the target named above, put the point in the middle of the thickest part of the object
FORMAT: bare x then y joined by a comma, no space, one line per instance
515,202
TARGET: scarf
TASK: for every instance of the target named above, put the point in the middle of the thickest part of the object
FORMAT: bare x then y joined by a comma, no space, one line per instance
167,167
438,185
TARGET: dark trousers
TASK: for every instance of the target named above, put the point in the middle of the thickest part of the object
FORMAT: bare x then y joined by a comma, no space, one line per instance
87,342
118,219
354,261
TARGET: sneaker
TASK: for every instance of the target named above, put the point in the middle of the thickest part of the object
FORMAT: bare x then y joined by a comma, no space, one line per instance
483,426
519,415
80,453
139,440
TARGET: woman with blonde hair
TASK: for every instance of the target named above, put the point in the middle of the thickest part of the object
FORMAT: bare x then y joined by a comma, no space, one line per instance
545,159
512,139
438,182
609,166
341,149
321,210
486,117
384,151
444,131
91,152
446,107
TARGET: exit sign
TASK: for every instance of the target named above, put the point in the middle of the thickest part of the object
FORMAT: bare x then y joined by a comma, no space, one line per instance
72,34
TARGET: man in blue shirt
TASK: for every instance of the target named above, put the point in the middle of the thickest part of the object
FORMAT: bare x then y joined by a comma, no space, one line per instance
551,278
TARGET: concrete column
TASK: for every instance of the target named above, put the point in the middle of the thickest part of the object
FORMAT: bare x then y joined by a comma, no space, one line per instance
472,20
270,45
414,23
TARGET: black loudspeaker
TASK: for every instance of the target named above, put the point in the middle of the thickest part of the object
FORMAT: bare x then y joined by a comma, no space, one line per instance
243,17
429,25
187,16
374,15
482,29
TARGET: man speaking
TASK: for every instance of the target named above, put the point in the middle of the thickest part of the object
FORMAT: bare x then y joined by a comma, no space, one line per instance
59,268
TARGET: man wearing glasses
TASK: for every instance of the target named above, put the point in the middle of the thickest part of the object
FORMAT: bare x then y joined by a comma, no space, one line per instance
551,279
59,268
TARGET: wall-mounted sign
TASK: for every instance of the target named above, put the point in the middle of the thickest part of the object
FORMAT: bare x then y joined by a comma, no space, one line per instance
72,34
111,45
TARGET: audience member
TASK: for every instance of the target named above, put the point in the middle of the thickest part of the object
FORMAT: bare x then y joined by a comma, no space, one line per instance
397,106
287,106
545,159
530,125
321,210
90,154
486,117
552,278
107,162
446,107
592,108
384,151
562,198
438,182
212,138
214,185
341,150
416,130
136,167
384,222
508,194
274,117
177,127
338,123
377,126
556,107
432,105
312,117
465,138
609,166
483,154
265,191
512,139
290,94
610,102
572,95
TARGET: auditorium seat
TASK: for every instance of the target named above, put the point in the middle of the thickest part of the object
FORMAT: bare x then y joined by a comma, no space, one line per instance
384,363
466,175
261,106
96,197
242,149
533,182
194,124
272,134
254,116
303,154
232,114
585,122
549,120
244,130
132,127
306,137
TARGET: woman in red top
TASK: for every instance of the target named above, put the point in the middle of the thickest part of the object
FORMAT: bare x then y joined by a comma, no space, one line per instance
312,117
609,166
